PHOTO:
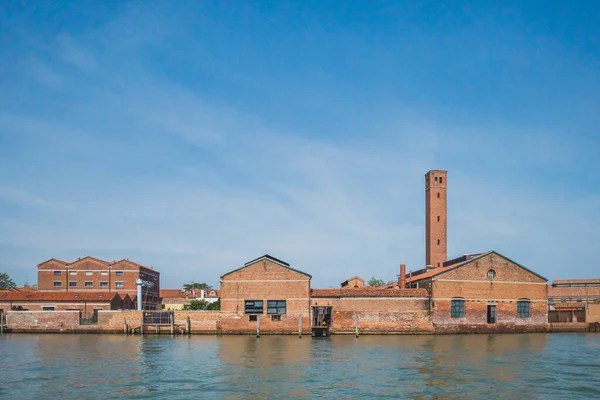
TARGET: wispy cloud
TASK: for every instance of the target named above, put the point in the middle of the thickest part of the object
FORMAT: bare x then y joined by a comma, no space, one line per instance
110,152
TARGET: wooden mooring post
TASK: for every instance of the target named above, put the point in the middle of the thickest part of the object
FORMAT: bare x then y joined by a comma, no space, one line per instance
257,326
299,326
188,325
125,326
172,318
142,324
356,324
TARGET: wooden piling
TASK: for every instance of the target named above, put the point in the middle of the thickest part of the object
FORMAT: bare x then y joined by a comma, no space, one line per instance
356,324
257,326
125,326
172,323
188,325
142,325
157,329
299,326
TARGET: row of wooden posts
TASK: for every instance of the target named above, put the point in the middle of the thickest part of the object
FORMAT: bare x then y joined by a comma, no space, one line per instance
188,326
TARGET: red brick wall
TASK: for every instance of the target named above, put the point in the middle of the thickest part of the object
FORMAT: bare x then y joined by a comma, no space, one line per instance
435,207
42,320
87,309
265,280
100,272
470,283
378,315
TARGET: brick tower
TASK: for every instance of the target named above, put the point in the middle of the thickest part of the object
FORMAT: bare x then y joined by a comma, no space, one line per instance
435,218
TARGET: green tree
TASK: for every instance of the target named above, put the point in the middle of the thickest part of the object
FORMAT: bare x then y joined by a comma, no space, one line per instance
202,305
375,282
195,285
6,282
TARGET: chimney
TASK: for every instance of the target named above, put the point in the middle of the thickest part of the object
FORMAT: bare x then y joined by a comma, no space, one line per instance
402,276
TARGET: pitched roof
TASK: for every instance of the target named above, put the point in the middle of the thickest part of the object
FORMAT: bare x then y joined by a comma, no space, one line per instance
442,270
126,260
56,296
166,300
54,259
90,258
268,258
373,292
171,292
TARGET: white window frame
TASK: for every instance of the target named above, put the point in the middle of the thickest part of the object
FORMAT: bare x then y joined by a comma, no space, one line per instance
54,284
91,284
104,284
89,273
119,284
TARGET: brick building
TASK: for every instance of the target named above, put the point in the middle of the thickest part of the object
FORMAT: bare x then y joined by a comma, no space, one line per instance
87,303
569,300
486,291
267,289
89,275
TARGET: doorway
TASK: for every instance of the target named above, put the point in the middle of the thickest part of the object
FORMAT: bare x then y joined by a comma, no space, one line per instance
321,321
491,314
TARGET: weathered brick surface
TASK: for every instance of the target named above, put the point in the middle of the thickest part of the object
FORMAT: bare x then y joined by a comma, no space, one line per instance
378,315
265,280
40,321
469,282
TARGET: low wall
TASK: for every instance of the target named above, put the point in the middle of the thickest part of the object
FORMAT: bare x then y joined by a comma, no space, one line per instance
46,321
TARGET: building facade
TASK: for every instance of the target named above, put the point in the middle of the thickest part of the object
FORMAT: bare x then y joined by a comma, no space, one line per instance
91,274
87,303
269,290
485,292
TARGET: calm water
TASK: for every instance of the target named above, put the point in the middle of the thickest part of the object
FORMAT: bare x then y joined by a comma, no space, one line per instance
243,367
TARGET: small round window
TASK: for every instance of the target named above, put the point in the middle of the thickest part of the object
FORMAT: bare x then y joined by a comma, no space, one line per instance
491,275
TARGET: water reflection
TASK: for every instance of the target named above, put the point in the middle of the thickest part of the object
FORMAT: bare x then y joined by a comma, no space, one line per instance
236,367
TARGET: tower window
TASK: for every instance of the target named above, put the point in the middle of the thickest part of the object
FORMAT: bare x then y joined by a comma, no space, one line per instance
438,218
438,265
441,179
436,179
438,195
438,241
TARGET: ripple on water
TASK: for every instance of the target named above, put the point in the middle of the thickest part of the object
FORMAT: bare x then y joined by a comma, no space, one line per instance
244,367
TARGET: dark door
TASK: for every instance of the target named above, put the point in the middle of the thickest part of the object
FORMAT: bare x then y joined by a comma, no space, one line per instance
491,314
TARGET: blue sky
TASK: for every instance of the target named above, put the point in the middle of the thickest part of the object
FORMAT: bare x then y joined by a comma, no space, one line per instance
194,136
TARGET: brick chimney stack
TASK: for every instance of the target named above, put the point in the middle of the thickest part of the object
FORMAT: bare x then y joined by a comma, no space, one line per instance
402,276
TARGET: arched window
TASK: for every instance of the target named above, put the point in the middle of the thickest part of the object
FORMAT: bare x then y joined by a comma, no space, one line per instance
523,308
491,275
457,308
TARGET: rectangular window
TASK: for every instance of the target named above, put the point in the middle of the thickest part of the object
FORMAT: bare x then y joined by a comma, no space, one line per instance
57,273
276,307
252,318
57,283
119,273
48,308
88,273
119,284
457,309
103,284
523,309
104,273
72,272
72,283
89,284
276,317
253,306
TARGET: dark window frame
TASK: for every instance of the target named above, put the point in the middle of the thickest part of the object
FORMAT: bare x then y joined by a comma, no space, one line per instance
57,284
276,307
254,306
57,273
457,308
523,309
